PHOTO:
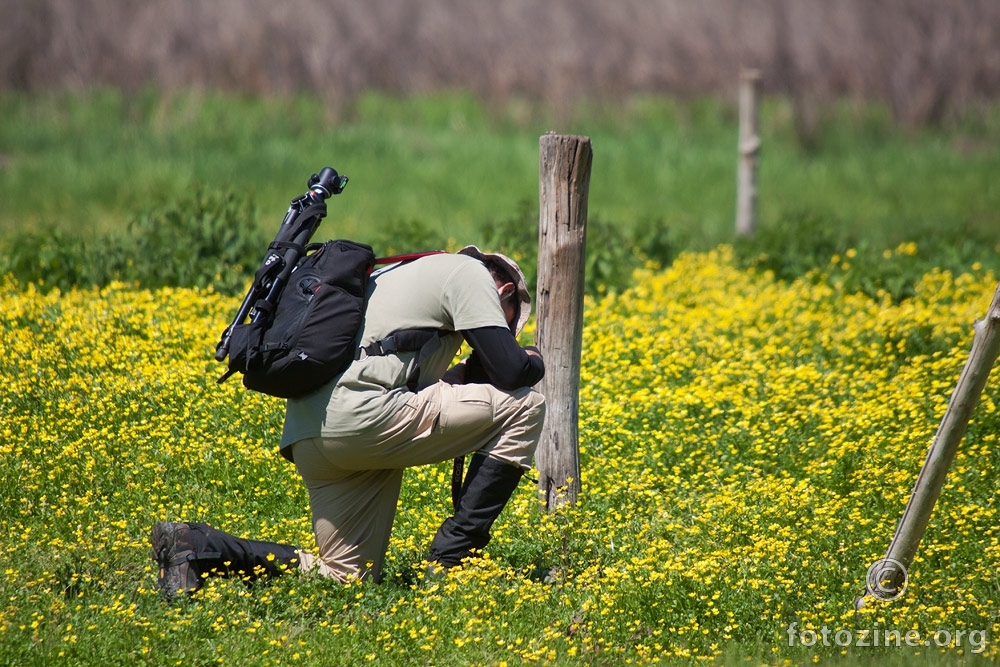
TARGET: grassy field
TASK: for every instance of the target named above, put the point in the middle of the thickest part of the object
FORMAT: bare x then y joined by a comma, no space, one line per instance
92,162
749,433
747,446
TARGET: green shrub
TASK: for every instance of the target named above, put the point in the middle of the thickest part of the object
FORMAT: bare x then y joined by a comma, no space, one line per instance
802,243
198,241
53,258
209,239
404,236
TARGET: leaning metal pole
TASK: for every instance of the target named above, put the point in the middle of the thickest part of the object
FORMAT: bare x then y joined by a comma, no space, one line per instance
887,578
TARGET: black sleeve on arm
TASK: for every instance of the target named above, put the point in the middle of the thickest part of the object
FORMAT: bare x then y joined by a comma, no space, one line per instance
500,361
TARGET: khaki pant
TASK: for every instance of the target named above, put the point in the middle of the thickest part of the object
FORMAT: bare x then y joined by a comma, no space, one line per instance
354,482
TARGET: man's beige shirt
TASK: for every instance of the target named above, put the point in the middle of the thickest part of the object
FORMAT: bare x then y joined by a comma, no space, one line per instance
444,292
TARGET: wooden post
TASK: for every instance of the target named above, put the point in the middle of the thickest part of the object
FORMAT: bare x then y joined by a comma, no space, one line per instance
887,578
563,185
749,147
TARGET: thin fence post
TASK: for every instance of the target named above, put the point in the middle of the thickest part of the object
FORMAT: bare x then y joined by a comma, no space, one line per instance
887,577
749,148
563,185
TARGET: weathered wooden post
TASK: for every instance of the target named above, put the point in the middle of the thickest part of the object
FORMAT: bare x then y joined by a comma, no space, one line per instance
563,185
749,147
886,578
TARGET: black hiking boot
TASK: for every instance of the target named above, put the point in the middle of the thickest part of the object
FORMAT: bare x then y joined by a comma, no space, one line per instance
488,486
173,550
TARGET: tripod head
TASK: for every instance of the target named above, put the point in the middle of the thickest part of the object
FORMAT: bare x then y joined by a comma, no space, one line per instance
327,183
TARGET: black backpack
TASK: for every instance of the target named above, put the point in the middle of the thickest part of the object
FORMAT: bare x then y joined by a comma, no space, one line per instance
310,337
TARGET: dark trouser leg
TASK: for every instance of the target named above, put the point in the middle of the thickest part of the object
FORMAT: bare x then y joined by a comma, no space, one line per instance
488,486
243,557
187,552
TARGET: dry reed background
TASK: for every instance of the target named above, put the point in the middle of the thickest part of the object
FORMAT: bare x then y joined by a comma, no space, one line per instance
928,60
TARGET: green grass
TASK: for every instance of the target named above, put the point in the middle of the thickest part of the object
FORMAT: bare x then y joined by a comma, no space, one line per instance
93,161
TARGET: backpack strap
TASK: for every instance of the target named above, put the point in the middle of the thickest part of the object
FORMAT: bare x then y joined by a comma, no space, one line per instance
404,340
424,342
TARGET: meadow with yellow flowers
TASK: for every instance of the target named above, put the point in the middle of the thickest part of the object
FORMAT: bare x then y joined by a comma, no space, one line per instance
747,446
